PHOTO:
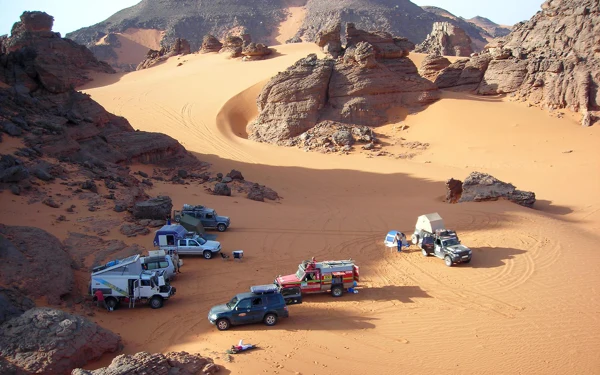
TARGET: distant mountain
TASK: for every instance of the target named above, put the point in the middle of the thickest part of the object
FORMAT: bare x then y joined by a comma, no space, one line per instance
262,19
491,27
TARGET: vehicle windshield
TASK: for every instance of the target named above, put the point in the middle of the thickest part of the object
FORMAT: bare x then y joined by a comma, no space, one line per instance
201,240
232,303
451,242
300,273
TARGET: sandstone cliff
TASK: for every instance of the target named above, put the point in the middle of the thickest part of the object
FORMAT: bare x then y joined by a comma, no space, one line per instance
446,39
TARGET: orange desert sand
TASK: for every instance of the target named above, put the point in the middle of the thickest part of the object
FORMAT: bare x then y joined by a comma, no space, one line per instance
527,304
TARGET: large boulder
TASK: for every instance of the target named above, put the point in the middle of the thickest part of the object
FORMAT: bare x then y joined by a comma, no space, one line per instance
210,44
463,74
373,76
12,304
179,47
222,188
432,65
232,46
453,190
481,187
149,148
179,363
157,208
446,39
34,262
254,51
49,341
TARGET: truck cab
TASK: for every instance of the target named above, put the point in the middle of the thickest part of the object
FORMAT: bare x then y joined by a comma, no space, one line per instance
207,216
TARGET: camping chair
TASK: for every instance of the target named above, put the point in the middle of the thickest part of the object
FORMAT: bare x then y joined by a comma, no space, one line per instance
224,256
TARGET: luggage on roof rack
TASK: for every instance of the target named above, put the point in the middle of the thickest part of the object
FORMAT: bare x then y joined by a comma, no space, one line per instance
264,289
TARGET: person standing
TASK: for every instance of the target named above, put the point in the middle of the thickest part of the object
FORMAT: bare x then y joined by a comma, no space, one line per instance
398,241
100,301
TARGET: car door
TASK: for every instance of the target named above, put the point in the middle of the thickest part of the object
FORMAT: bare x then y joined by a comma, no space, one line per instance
241,312
438,250
182,246
257,309
210,220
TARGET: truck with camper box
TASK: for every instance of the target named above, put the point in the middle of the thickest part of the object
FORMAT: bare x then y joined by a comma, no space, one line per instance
175,237
334,276
207,216
125,280
433,238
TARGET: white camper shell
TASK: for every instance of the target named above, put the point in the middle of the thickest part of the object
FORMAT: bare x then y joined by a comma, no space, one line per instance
429,223
126,280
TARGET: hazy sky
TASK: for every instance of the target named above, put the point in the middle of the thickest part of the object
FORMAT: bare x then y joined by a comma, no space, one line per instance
70,15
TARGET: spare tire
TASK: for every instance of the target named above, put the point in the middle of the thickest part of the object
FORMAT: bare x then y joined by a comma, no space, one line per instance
414,239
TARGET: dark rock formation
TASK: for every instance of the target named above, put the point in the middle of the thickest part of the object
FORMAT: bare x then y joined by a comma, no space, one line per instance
330,40
210,44
464,74
179,47
13,304
180,363
157,208
481,187
453,190
49,62
89,251
132,230
446,39
235,175
550,60
34,262
253,52
373,76
221,188
432,65
49,341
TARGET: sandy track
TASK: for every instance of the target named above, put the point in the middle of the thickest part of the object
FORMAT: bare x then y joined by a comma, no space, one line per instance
526,304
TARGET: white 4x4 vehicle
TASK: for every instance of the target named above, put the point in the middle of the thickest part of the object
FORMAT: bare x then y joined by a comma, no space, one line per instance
198,246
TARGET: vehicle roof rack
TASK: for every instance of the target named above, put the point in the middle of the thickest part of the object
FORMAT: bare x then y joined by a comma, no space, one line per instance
264,289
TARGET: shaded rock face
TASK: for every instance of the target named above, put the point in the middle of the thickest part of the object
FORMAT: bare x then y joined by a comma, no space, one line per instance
49,341
464,74
34,262
221,188
210,44
432,65
180,363
446,39
552,60
232,46
43,59
157,208
179,47
481,187
372,77
253,52
13,304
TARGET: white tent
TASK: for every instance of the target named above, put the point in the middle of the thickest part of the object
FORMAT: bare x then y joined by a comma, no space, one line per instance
430,222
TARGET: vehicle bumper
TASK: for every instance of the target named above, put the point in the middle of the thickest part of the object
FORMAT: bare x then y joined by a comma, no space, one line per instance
461,259
285,314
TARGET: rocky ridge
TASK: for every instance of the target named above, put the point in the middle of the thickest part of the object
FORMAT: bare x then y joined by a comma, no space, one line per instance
153,57
373,75
446,39
550,61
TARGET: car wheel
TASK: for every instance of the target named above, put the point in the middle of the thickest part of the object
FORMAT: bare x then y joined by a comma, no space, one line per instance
337,291
270,319
112,303
448,261
207,254
221,227
223,324
156,302
424,252
414,239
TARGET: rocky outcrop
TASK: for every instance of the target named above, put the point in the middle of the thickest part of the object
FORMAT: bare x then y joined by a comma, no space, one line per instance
36,58
330,40
330,136
13,304
34,262
253,52
157,208
180,363
446,39
49,341
463,74
550,61
179,47
432,65
210,44
374,75
232,46
222,188
481,187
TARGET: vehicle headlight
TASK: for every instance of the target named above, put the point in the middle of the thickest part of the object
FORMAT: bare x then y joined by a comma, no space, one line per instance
213,317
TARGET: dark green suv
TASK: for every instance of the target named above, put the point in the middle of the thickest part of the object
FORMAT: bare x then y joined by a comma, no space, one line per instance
264,304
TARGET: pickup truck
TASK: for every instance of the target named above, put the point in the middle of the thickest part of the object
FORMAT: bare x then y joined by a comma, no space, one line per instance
195,246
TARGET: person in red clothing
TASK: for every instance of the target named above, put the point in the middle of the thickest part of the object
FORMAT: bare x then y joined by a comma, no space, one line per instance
100,299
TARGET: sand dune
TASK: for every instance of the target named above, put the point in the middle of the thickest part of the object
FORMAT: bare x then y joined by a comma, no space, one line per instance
288,28
526,304
135,44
